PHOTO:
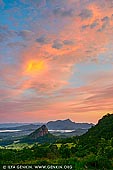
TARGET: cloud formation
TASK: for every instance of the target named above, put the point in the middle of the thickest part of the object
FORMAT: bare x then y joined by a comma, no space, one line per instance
61,35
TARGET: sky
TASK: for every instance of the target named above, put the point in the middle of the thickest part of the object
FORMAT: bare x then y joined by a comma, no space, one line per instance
56,60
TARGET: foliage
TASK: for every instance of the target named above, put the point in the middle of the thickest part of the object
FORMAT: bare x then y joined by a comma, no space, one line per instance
94,150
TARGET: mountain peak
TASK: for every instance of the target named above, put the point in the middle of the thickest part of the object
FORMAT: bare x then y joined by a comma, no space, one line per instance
103,129
41,131
67,120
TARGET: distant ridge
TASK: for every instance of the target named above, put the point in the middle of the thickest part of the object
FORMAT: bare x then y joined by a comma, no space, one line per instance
27,127
67,124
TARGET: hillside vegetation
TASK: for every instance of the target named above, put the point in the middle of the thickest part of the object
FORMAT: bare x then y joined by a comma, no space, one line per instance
91,151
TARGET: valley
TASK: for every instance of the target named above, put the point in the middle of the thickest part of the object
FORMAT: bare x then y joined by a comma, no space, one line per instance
91,151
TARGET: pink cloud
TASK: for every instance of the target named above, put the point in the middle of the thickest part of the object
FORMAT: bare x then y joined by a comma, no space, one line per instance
72,36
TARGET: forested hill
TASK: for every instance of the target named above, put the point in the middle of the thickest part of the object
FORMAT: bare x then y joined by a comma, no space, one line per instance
91,151
103,129
40,135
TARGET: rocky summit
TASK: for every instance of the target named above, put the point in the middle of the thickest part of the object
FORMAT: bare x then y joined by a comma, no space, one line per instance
40,132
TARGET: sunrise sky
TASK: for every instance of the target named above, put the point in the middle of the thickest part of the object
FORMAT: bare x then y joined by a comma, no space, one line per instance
56,60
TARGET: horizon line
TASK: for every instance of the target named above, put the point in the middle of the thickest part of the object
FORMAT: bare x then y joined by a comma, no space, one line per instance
46,122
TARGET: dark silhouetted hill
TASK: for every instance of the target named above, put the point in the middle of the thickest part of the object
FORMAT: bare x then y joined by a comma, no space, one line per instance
103,129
